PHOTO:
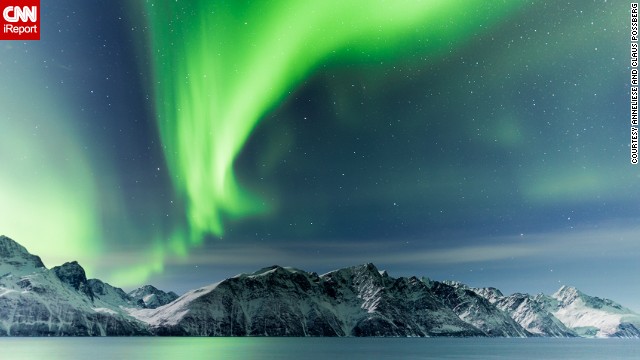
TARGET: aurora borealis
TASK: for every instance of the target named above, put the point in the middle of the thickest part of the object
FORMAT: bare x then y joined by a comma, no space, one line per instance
220,66
181,142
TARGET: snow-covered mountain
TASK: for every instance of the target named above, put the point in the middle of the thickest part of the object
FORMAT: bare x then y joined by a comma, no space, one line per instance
567,313
277,301
35,301
592,316
478,310
532,314
280,301
150,297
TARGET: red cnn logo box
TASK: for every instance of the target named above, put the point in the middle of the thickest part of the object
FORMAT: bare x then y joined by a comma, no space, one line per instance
19,19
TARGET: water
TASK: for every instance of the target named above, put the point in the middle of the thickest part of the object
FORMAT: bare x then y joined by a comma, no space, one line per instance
315,348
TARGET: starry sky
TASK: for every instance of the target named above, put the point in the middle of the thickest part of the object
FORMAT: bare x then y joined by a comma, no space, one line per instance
180,143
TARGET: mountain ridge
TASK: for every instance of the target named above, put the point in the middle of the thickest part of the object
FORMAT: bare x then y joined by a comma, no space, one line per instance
283,301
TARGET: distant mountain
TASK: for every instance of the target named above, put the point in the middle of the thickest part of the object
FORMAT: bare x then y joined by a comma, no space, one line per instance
567,313
279,301
150,297
592,316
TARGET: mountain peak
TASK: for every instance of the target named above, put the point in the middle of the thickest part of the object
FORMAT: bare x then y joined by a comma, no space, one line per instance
267,269
152,297
15,254
567,294
144,289
71,273
364,268
368,269
371,267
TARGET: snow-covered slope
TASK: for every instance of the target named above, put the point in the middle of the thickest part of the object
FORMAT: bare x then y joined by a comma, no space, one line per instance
567,313
532,314
477,310
279,301
592,316
15,259
273,301
394,307
35,301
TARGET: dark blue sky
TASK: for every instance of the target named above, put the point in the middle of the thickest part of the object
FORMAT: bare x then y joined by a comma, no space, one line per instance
503,161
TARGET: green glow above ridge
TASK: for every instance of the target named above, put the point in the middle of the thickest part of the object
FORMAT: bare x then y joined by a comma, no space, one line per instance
220,66
48,196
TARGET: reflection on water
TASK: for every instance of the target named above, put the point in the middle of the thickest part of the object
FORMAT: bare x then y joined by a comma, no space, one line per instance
158,348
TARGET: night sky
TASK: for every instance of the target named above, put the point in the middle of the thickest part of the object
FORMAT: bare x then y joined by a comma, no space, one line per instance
180,143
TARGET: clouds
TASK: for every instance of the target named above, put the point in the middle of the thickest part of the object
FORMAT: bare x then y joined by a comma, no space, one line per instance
600,258
613,242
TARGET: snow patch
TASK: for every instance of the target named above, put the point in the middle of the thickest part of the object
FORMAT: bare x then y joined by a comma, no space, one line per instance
105,311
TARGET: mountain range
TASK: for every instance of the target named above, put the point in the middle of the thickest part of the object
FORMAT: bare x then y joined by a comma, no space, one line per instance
283,301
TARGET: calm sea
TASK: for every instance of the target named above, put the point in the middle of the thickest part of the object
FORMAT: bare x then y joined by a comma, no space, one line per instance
315,348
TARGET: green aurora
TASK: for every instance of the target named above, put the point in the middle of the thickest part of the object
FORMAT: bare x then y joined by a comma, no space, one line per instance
481,141
48,191
221,66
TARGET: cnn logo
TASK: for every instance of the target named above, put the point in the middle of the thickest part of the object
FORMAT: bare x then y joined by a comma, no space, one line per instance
15,13
20,20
